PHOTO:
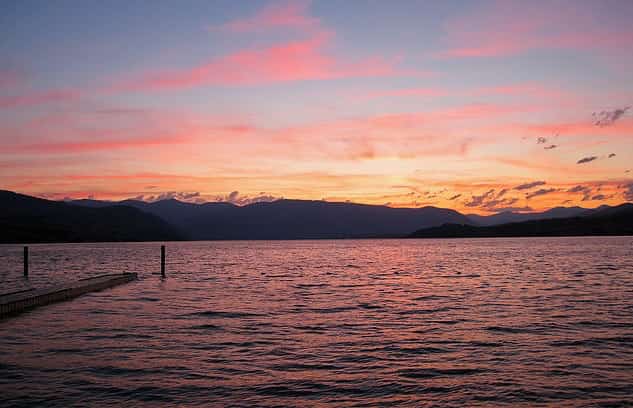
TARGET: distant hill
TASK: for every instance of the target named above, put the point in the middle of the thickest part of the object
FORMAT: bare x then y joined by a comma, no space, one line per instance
26,219
290,219
29,219
602,221
509,216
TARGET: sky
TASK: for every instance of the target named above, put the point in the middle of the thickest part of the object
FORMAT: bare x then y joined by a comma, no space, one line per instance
479,106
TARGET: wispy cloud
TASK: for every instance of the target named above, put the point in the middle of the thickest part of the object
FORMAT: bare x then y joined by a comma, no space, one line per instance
296,60
628,192
540,192
585,190
31,98
80,146
11,78
288,14
171,195
293,61
579,189
608,118
527,26
402,92
236,198
477,201
528,186
587,159
494,202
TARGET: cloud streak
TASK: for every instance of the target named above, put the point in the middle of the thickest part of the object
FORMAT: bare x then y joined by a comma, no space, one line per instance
305,59
288,14
528,26
300,60
628,192
585,190
88,146
587,159
236,198
491,202
39,98
528,186
541,192
191,197
608,118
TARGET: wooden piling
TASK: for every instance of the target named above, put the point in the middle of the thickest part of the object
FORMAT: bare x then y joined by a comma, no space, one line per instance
26,262
162,261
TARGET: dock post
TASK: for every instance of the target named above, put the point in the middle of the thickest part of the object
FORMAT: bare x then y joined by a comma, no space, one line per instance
162,261
26,262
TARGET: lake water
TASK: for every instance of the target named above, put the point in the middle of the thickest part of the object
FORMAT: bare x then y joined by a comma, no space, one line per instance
486,322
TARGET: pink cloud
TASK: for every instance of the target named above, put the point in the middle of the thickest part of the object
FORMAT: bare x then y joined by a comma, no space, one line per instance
11,78
296,60
401,135
580,128
86,146
513,27
292,61
290,14
38,98
522,89
135,176
302,59
18,91
403,92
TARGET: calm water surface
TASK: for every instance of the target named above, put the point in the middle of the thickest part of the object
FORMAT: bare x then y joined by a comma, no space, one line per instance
487,322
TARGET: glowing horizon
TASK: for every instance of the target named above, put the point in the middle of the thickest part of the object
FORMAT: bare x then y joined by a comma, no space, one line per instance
478,106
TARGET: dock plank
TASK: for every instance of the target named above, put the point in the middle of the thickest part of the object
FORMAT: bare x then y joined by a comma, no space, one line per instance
14,303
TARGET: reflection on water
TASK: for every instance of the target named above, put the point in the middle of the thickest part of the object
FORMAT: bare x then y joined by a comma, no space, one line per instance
328,323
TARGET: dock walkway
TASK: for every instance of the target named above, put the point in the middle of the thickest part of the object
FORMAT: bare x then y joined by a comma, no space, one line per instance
17,302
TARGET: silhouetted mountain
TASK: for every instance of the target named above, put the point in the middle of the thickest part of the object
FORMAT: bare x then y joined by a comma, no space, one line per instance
603,221
291,219
509,216
26,219
182,215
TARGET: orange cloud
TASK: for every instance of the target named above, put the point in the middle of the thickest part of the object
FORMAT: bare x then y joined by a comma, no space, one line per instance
136,176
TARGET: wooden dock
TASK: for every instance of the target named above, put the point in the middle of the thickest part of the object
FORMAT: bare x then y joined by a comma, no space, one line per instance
17,302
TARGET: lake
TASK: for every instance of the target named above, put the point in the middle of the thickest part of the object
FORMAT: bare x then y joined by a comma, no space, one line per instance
480,322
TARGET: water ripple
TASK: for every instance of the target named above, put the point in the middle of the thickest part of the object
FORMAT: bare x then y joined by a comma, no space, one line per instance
487,322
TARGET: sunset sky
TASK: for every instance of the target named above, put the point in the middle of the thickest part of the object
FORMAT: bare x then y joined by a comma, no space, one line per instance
479,106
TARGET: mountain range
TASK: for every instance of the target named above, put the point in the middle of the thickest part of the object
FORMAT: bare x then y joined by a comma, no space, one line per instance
26,219
289,219
29,219
510,216
605,220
